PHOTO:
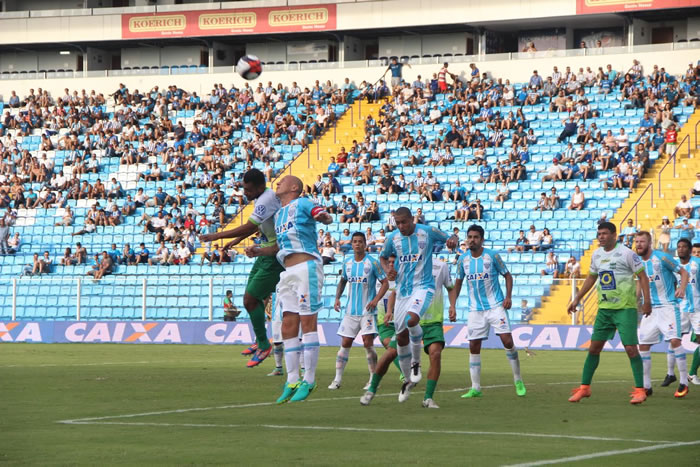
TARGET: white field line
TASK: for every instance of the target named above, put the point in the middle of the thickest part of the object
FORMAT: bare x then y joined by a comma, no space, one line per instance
617,452
106,420
141,362
374,430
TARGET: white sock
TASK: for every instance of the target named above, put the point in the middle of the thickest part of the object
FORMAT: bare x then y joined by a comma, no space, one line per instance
311,349
340,361
682,364
416,335
278,352
404,356
514,361
371,359
646,363
291,359
300,354
475,370
670,360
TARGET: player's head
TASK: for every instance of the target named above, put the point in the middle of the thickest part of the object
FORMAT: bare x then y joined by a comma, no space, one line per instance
475,237
642,242
696,250
358,242
253,184
683,249
290,187
606,235
404,221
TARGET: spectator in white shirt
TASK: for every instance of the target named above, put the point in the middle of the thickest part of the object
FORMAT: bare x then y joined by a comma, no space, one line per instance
573,268
696,186
554,172
577,200
683,208
534,238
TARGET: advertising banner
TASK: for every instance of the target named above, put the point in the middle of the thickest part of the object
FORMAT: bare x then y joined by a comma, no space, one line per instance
533,337
586,7
229,22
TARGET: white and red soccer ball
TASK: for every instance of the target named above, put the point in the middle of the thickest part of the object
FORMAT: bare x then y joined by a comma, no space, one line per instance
249,67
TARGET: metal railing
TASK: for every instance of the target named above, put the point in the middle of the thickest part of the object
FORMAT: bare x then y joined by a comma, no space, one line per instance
672,158
634,207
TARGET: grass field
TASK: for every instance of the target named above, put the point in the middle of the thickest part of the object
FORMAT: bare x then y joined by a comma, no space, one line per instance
176,404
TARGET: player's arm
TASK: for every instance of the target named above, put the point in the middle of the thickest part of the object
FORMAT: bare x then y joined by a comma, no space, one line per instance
255,251
685,278
390,307
452,297
388,266
646,294
585,288
242,232
508,301
339,292
380,293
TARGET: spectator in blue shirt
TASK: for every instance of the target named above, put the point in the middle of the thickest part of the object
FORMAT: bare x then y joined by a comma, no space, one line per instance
459,192
333,167
396,69
536,80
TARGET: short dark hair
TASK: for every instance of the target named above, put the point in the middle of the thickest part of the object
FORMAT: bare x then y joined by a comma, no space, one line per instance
254,176
358,234
607,226
403,211
476,228
685,240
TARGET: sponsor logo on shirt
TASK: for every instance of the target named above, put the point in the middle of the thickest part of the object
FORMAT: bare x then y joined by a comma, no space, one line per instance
280,229
479,276
414,258
260,210
357,280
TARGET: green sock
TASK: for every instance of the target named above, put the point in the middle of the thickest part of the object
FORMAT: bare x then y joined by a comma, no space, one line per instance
696,362
430,389
375,382
257,319
396,364
589,368
637,371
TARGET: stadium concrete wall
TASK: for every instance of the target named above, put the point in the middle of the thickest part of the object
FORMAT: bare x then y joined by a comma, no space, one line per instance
531,337
498,65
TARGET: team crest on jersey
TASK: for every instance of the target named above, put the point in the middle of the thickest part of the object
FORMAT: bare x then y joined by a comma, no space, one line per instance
422,244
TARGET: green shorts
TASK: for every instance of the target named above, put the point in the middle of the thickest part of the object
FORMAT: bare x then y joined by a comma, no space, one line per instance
608,321
432,333
385,331
264,276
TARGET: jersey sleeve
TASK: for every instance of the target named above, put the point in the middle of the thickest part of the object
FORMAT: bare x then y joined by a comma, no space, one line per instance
635,262
343,273
460,268
499,264
669,263
378,271
437,235
263,210
388,250
593,268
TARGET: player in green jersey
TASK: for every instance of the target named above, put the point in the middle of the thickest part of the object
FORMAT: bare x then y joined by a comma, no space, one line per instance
613,268
266,270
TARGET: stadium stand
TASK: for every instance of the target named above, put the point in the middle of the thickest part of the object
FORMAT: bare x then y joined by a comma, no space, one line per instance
417,146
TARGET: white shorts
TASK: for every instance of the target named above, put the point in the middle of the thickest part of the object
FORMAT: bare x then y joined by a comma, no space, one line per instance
351,326
416,303
693,322
276,322
663,322
480,322
299,288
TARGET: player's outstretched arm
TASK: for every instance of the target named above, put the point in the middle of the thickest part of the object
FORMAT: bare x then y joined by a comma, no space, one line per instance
242,232
339,292
255,251
587,285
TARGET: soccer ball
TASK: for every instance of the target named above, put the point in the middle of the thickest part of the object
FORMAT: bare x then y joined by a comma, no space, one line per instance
249,67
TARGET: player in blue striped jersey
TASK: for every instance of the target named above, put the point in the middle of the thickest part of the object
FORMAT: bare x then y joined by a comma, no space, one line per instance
300,285
690,307
665,318
481,268
361,272
412,245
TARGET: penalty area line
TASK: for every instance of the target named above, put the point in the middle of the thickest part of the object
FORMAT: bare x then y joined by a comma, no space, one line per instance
393,430
617,452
